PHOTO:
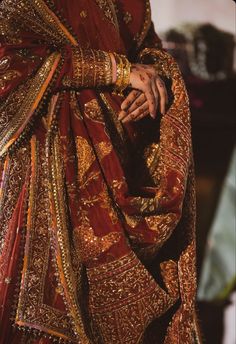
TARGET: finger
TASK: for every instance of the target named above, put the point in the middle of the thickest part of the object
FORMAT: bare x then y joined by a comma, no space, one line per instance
122,115
162,91
127,103
131,116
139,101
167,98
144,114
130,99
156,94
151,101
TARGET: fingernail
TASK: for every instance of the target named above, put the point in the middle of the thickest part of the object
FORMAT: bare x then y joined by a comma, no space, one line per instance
125,120
153,116
121,115
124,107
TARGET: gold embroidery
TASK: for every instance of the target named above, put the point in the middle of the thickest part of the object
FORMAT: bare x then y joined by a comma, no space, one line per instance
127,17
60,236
91,68
85,156
175,126
14,174
132,221
106,203
39,18
74,105
37,86
169,272
103,149
163,226
139,38
31,310
145,205
151,156
9,33
124,299
83,14
6,74
93,110
108,8
89,246
115,130
4,63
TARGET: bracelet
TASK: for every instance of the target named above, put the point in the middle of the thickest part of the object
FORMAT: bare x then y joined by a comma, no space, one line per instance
123,68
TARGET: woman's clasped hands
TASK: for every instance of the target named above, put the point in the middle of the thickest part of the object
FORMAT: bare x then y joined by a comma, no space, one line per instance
148,94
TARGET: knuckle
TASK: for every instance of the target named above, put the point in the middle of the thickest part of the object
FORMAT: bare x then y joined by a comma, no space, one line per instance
152,69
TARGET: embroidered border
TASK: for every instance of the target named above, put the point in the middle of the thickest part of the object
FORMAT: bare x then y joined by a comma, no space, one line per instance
124,299
139,38
31,310
60,235
38,86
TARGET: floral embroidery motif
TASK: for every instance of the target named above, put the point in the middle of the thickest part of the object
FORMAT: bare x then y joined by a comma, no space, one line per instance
7,74
89,246
127,17
109,11
93,111
85,157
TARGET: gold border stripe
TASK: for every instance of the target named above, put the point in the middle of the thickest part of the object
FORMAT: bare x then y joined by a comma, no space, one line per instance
58,22
53,62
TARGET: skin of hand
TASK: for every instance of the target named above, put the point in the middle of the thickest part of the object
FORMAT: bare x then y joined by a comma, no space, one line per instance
148,95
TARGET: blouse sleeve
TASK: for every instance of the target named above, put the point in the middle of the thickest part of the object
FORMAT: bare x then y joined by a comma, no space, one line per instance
21,58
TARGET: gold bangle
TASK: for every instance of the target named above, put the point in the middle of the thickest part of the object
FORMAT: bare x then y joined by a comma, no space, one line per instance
126,72
123,67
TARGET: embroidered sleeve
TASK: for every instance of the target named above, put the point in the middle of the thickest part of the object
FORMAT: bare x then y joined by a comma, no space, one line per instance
89,68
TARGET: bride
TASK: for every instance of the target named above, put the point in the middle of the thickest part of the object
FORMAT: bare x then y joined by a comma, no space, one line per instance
97,200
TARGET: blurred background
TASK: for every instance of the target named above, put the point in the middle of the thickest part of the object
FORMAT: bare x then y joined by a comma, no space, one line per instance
201,36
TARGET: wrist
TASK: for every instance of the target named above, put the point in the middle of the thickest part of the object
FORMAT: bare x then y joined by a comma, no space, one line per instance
114,68
123,70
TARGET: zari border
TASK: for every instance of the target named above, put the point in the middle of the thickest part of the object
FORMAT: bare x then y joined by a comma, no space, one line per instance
31,310
3,176
50,17
40,19
60,235
139,38
39,84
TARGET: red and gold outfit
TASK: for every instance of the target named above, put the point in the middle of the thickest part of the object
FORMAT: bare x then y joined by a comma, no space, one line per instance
97,218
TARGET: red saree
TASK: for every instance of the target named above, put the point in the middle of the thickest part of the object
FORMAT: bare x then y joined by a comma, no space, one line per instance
97,218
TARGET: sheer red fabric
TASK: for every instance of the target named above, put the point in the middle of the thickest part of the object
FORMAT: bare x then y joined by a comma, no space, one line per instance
97,218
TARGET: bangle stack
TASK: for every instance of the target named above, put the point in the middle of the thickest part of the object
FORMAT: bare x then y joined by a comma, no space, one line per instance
123,68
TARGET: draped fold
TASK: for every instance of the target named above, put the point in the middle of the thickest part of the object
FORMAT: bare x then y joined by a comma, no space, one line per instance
100,216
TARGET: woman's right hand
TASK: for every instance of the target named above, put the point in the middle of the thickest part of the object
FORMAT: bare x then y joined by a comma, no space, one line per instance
145,79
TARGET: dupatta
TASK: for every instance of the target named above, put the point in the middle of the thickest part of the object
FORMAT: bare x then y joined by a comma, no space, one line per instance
97,218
